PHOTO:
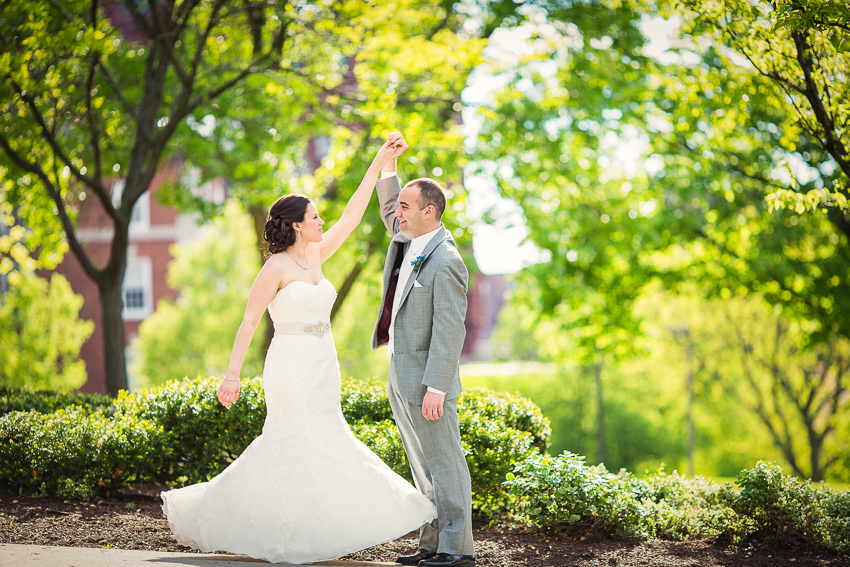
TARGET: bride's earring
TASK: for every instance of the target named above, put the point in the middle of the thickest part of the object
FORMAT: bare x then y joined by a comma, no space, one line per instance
298,235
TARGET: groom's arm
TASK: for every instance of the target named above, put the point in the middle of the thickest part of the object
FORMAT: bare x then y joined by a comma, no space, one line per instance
388,190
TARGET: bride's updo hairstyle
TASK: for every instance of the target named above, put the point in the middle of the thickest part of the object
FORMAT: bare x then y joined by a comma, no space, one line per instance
287,210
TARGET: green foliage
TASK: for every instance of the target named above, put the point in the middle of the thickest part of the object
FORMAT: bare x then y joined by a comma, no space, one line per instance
48,401
74,454
491,450
203,436
555,493
193,336
243,91
690,508
753,375
835,523
365,400
198,437
800,47
511,410
558,491
784,509
753,370
41,333
630,169
642,423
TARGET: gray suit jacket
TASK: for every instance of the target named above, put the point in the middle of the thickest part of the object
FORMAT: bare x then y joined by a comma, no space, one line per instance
429,327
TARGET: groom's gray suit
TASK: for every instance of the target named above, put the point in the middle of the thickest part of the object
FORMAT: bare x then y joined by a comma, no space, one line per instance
428,334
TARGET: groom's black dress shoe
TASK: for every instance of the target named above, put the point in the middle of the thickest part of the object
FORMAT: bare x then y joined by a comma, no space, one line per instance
415,559
446,560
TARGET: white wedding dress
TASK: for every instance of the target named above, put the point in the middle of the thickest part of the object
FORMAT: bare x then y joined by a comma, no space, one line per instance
305,490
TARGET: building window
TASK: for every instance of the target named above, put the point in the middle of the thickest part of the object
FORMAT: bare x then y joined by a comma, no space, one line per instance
137,292
140,217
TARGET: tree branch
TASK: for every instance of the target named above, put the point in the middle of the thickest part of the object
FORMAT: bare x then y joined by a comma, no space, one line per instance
54,193
116,89
833,144
95,132
50,138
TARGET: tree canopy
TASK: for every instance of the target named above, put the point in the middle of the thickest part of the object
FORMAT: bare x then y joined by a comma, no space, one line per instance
96,91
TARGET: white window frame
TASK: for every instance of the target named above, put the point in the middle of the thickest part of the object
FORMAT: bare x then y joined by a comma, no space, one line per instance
140,218
139,276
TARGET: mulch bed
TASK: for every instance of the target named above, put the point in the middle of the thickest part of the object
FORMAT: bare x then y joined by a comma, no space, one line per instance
134,520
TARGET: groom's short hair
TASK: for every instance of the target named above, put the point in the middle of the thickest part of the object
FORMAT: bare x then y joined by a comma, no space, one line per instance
430,193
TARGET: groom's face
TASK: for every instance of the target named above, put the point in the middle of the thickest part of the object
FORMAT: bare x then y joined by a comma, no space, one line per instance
410,216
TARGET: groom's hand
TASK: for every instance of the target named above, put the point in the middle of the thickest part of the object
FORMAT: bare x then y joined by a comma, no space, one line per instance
432,406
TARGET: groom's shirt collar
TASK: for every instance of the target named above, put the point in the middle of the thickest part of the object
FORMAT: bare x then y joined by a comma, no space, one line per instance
418,244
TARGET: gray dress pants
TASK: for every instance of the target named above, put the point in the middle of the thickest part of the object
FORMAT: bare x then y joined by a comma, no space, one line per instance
439,471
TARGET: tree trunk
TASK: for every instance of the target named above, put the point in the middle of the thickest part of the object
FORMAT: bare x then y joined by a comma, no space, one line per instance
691,449
259,215
348,284
111,306
601,449
818,471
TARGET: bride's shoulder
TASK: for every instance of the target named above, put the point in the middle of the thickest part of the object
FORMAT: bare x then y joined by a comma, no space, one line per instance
276,264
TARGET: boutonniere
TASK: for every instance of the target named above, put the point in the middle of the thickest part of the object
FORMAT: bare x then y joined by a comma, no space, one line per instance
417,263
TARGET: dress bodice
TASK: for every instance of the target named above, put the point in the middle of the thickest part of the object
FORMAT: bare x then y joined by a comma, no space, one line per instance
303,302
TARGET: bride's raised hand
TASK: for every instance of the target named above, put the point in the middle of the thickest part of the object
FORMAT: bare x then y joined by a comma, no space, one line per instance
397,145
228,391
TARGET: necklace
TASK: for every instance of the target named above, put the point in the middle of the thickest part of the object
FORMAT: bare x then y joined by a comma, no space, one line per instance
307,267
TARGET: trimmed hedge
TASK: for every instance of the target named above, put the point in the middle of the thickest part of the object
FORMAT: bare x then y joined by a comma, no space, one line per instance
199,437
73,454
203,436
48,401
554,493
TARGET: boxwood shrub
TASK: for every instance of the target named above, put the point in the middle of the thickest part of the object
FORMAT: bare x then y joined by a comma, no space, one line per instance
790,512
203,436
48,401
199,437
74,454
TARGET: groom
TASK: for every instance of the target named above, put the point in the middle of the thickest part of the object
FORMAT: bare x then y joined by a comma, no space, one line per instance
421,320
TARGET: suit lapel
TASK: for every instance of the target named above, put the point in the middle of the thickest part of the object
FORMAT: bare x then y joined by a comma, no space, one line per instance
432,245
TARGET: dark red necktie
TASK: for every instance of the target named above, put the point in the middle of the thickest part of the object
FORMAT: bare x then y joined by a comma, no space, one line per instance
387,313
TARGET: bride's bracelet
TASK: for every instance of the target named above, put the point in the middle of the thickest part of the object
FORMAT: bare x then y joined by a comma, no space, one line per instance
231,379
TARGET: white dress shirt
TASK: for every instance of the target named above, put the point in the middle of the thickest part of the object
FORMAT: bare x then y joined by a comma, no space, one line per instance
416,247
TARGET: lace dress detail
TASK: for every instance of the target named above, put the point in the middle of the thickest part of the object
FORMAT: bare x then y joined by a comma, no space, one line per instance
306,489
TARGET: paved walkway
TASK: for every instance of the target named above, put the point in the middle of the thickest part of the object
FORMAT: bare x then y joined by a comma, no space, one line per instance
15,555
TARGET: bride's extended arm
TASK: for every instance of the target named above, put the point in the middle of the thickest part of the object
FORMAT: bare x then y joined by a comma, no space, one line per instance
263,291
353,213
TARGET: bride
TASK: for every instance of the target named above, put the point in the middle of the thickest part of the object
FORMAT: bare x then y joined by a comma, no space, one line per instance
306,489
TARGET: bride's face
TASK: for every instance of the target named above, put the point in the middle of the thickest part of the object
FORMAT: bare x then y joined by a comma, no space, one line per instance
311,226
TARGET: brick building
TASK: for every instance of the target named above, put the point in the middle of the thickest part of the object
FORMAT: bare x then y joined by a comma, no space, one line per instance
153,229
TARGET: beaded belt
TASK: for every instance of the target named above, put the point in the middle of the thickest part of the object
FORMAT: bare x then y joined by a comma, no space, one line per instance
296,328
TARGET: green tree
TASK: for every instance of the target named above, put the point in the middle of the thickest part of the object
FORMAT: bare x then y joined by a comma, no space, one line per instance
749,359
41,333
84,101
193,335
40,328
631,170
801,47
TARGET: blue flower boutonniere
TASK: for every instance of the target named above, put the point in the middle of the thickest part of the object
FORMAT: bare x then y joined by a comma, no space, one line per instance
417,263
